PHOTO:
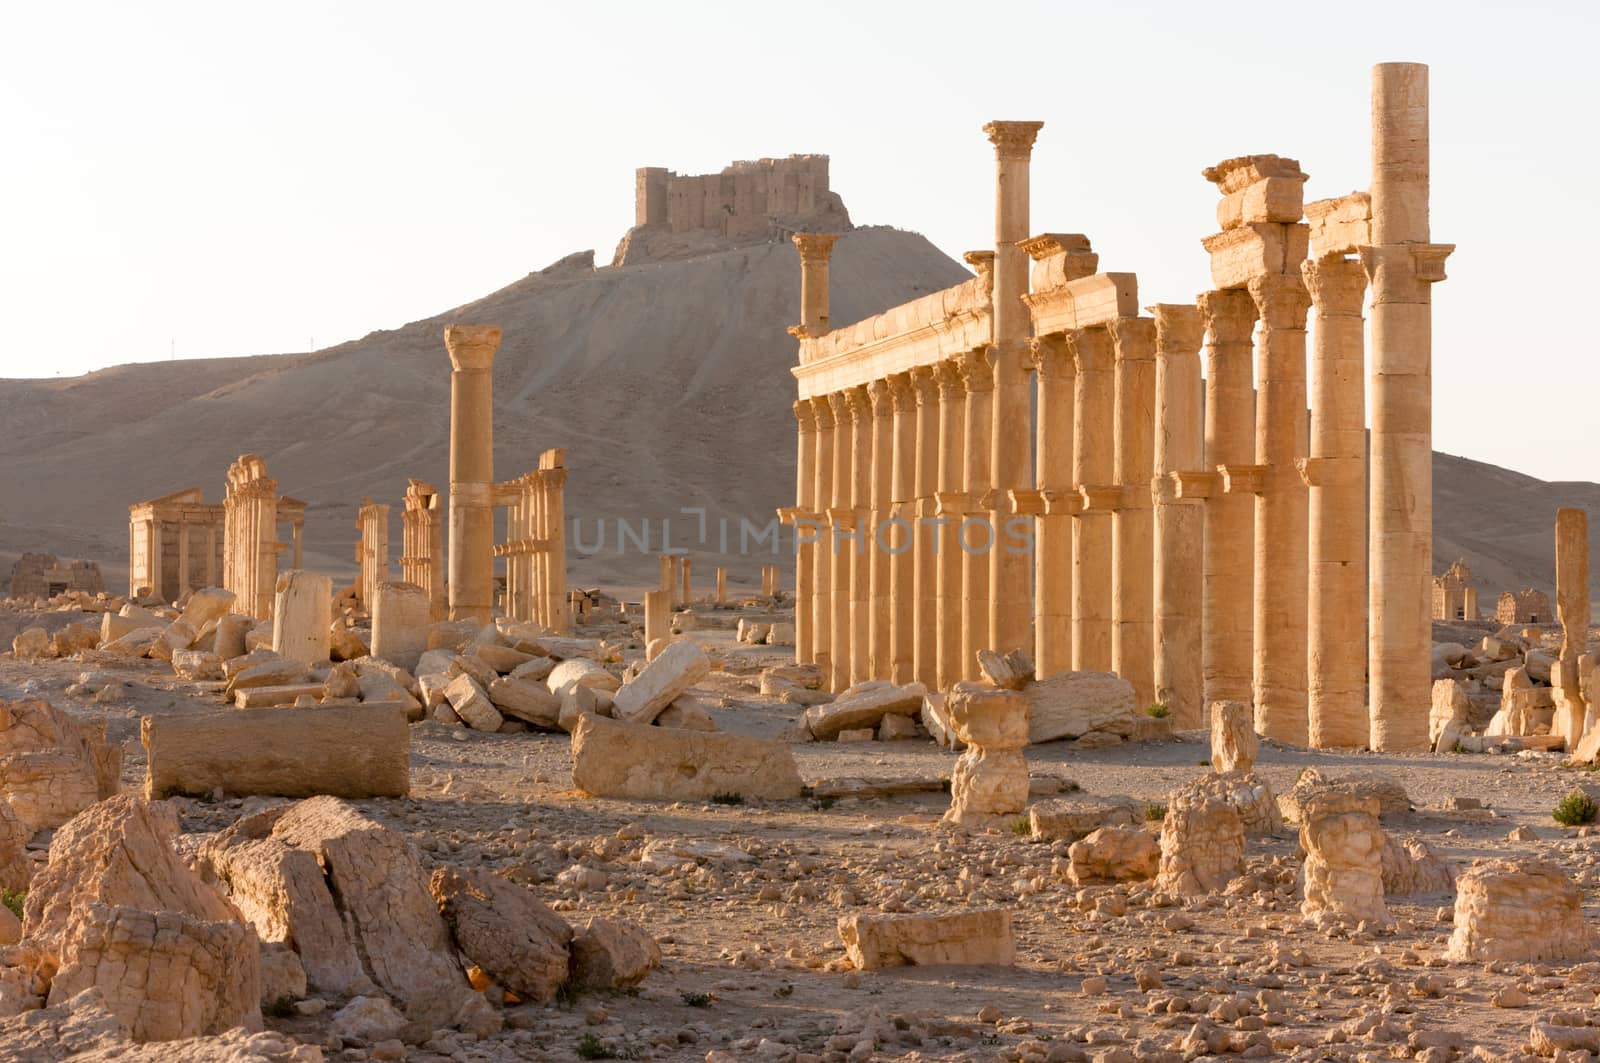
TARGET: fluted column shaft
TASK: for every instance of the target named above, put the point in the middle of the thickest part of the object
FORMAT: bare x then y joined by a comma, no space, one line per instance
978,538
861,434
822,465
805,477
1402,267
951,510
472,349
1179,540
879,661
1279,680
842,520
1094,468
1009,464
894,542
925,615
1052,625
1132,525
1335,475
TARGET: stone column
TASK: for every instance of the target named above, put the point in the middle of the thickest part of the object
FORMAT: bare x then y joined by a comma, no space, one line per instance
183,556
657,616
472,349
860,499
1052,602
979,535
952,510
555,515
925,614
1335,473
1401,265
805,551
686,588
211,554
897,539
1009,465
815,251
669,575
1228,596
1132,525
296,536
1281,541
842,521
157,584
722,593
1093,467
880,662
1572,607
1179,539
822,553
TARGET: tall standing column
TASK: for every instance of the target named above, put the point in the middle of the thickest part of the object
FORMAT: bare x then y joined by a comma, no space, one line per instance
925,615
897,539
860,561
555,514
880,661
1052,610
1179,540
183,557
815,251
1009,457
1402,265
1281,538
822,554
1093,467
472,349
805,476
951,511
1132,558
842,520
1572,608
979,535
1228,595
1335,474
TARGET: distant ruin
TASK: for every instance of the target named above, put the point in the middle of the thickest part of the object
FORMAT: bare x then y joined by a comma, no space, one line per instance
753,201
1526,606
1454,596
44,576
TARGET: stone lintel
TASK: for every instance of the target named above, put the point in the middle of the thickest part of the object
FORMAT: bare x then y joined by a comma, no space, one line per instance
1340,226
1256,249
1084,303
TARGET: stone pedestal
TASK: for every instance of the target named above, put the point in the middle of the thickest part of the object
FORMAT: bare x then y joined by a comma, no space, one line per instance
991,777
1202,845
1518,911
1402,267
1344,858
400,624
1093,471
1233,737
302,613
472,349
1179,540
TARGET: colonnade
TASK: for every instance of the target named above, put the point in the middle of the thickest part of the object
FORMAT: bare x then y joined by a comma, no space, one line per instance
422,560
1197,535
536,544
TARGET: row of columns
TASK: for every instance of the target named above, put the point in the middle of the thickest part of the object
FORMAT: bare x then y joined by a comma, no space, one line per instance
250,536
422,560
372,549
536,545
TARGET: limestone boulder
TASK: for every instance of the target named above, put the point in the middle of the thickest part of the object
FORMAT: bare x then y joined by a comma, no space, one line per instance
1518,910
51,766
472,704
136,643
526,699
117,854
369,1019
1072,704
864,706
1233,736
1072,818
272,672
165,974
453,635
76,1029
580,671
664,679
505,930
75,638
16,869
614,759
1249,794
686,712
32,642
503,659
612,953
207,605
929,939
1113,854
1202,845
1344,858
1393,801
229,640
283,976
1411,868
177,637
197,665
1448,714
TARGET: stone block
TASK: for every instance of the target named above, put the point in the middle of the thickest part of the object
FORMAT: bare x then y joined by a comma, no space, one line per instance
1256,249
612,954
1271,199
1340,226
863,706
268,697
1518,910
1233,736
357,752
1072,704
1113,854
1072,818
51,766
472,704
981,936
664,679
526,699
207,605
400,624
615,759
505,930
302,612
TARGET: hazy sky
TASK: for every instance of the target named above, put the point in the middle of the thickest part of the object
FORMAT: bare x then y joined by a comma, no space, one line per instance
245,179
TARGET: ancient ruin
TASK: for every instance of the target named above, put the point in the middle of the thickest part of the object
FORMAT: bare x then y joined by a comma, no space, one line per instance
1527,606
1454,595
45,576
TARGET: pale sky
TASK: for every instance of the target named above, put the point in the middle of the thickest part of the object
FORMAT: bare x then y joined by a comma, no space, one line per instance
246,179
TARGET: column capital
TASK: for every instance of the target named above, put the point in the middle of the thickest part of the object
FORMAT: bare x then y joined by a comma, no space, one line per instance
815,248
982,263
1091,349
976,369
902,393
839,404
1423,263
948,377
822,411
880,397
1179,329
1337,285
858,403
925,385
1229,315
1013,140
1281,300
1133,339
804,414
472,346
1052,356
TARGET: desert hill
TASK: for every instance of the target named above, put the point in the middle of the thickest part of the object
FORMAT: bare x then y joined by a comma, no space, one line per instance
666,381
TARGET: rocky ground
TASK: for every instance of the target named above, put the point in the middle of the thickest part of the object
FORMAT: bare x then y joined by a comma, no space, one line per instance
744,900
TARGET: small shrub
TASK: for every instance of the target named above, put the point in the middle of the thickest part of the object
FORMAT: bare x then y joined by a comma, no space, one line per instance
591,1047
727,799
783,991
1157,711
822,804
14,899
695,1000
567,993
1575,809
281,1008
1022,826
1203,762
1154,811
